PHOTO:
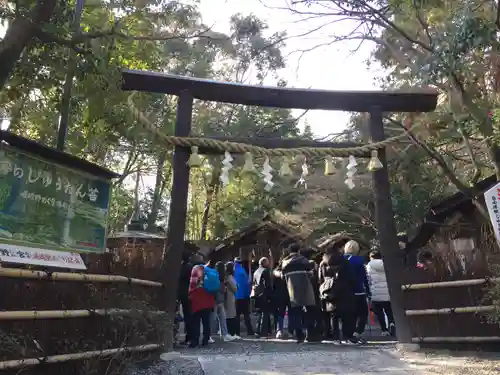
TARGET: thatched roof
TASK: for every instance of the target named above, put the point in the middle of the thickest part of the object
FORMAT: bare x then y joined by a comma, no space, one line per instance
442,211
266,224
339,239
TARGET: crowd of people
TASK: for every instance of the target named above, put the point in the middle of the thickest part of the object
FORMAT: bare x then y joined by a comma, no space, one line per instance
312,301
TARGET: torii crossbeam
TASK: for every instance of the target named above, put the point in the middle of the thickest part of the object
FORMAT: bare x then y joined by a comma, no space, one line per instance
373,102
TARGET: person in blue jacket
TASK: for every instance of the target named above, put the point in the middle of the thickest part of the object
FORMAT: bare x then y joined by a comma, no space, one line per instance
362,288
242,295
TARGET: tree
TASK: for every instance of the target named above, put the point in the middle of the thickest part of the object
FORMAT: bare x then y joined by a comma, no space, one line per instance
450,46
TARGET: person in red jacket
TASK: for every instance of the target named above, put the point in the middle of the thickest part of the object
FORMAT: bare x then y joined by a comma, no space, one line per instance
202,305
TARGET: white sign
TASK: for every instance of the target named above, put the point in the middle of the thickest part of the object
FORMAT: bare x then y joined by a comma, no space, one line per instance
492,199
40,257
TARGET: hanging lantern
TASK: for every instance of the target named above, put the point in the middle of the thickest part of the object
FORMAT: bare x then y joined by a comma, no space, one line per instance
248,167
329,167
285,169
374,164
266,172
194,159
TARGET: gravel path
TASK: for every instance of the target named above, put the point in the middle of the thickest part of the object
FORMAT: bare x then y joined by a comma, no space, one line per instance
271,357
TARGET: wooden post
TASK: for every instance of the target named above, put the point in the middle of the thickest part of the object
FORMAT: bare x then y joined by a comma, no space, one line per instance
387,235
177,214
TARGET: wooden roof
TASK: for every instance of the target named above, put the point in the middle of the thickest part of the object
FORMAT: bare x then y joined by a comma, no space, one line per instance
55,156
332,239
416,100
265,224
443,210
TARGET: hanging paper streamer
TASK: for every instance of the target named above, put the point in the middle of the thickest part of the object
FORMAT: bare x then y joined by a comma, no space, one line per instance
226,167
374,164
351,172
285,169
267,173
194,159
329,167
305,173
248,167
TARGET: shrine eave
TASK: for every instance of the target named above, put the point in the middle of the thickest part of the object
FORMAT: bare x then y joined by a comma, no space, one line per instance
412,100
55,156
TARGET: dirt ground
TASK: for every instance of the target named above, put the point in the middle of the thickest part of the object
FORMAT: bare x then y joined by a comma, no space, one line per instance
452,363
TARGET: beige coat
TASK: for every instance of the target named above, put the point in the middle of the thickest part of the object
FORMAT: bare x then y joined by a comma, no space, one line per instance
230,301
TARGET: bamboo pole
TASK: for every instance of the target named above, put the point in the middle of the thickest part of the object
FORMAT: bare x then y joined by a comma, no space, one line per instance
449,284
66,276
64,314
449,311
466,339
5,365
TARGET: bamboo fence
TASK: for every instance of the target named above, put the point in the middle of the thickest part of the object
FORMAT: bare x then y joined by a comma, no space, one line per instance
449,284
65,314
452,339
67,276
19,363
449,311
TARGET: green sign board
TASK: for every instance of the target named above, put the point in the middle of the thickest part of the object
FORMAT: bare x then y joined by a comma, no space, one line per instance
46,206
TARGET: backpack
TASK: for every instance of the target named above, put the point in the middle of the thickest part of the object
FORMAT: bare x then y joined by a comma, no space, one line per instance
211,281
328,291
258,289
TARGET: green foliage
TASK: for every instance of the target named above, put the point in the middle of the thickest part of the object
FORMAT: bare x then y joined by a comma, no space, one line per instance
158,36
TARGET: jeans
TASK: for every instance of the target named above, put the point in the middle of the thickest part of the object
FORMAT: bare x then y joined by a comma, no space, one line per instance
279,318
243,308
361,313
381,309
203,316
219,314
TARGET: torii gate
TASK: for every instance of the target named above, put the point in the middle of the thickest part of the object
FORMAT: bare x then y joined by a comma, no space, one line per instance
373,102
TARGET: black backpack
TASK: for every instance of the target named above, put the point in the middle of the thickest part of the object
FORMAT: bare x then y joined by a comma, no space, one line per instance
328,290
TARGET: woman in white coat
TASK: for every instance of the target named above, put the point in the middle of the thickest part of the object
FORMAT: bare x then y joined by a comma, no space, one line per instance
381,302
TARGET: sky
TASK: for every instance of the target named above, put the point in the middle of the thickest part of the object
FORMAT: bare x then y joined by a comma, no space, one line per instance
331,67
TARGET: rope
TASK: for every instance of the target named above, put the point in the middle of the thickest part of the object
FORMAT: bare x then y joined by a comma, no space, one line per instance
235,147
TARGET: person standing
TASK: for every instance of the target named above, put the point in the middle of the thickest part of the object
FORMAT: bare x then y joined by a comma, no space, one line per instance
295,269
280,302
362,290
243,282
262,291
230,301
219,313
336,287
202,304
183,294
381,302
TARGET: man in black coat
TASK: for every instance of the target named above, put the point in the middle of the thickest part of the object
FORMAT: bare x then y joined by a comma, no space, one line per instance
262,290
182,293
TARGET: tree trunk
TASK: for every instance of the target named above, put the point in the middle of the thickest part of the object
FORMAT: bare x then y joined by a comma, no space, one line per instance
212,192
157,193
20,32
136,213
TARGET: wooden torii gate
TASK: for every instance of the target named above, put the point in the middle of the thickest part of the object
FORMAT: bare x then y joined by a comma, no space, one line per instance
373,102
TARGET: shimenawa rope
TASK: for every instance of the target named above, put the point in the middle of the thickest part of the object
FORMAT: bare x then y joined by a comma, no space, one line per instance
241,148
